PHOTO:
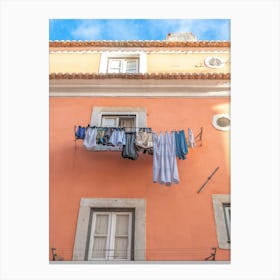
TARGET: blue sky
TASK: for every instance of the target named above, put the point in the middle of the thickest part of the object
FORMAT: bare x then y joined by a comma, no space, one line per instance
137,29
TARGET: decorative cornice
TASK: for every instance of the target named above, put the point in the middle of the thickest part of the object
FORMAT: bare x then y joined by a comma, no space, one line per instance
142,44
146,76
125,51
155,76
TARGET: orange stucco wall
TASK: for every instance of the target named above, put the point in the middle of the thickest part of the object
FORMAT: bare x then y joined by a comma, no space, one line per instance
180,223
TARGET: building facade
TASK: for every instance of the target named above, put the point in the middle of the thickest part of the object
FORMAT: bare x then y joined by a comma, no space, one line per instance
104,207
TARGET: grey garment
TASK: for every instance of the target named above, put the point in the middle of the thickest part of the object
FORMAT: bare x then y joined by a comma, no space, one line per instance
90,138
129,149
165,169
107,135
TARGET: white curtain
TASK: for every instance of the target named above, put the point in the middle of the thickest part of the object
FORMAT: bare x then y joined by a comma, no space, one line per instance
128,123
121,236
101,228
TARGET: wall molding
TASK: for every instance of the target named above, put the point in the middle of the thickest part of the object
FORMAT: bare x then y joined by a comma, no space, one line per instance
141,88
137,51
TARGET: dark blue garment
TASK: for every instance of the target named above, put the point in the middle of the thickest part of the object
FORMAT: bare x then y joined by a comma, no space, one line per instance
177,144
80,133
181,144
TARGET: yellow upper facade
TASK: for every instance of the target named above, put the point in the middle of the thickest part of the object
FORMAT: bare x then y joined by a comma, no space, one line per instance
139,57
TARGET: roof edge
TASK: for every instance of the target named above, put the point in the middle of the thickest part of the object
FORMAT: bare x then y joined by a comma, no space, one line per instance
126,44
146,76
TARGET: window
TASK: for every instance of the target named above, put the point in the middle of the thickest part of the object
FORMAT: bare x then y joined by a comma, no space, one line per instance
123,62
221,122
122,65
127,117
214,62
126,121
110,235
111,229
118,116
222,213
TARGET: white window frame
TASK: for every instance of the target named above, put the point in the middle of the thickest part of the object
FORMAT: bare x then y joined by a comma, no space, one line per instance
110,241
86,204
223,233
140,55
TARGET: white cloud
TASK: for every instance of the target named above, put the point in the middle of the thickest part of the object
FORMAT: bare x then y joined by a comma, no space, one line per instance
87,30
120,29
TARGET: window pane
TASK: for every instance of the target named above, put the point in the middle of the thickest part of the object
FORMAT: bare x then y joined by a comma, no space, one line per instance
114,66
109,121
121,244
122,222
131,66
228,210
99,247
227,219
115,63
101,226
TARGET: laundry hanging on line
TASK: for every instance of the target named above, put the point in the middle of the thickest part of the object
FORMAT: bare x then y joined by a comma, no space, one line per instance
104,136
191,138
165,148
115,137
165,169
181,144
129,149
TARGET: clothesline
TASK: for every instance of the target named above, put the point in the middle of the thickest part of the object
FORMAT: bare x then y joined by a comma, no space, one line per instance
119,127
198,137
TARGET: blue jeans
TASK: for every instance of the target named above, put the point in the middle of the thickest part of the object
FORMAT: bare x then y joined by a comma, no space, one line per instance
181,144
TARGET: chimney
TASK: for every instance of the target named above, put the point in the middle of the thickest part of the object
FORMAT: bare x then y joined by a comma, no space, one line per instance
181,36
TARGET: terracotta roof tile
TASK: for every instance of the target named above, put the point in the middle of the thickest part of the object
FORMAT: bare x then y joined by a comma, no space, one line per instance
143,44
155,76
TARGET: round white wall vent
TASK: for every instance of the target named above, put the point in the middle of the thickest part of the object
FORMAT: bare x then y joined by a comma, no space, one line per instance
214,62
221,122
